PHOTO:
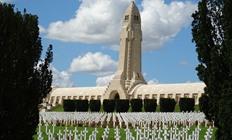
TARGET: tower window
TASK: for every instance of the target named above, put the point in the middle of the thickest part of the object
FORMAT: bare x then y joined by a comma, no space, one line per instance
136,18
127,17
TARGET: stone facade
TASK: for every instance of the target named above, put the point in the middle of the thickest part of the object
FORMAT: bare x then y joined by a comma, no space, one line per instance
128,82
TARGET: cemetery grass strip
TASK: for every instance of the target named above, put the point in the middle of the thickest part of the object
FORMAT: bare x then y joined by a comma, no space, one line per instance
111,132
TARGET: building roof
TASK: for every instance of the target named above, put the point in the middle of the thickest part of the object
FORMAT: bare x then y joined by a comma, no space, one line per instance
78,91
169,88
179,88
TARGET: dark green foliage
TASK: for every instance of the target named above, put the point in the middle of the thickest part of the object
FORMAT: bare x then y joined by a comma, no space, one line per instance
23,82
69,105
167,105
136,105
204,104
121,105
150,105
82,105
208,38
225,103
186,104
212,33
76,105
94,105
225,117
108,105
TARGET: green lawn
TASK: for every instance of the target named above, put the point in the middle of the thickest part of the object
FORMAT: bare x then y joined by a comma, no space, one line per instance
111,132
59,108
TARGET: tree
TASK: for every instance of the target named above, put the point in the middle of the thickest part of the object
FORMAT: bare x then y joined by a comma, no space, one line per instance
25,78
208,46
225,104
212,33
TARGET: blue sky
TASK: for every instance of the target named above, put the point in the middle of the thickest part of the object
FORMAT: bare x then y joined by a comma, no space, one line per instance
85,36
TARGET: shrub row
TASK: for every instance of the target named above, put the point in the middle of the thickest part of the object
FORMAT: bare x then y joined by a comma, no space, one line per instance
167,105
124,105
81,105
186,104
149,105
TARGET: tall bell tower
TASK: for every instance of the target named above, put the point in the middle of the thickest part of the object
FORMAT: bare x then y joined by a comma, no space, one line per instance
128,74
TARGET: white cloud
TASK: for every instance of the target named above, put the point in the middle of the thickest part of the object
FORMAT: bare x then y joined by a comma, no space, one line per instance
98,22
6,1
99,64
161,21
93,63
95,22
42,29
104,80
61,78
153,81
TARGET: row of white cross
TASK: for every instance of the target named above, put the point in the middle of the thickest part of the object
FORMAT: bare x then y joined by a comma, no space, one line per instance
122,119
162,132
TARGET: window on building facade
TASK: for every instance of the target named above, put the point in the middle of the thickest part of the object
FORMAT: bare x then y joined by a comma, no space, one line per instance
170,95
86,97
139,96
99,97
136,18
127,17
92,97
147,96
162,96
154,96
186,95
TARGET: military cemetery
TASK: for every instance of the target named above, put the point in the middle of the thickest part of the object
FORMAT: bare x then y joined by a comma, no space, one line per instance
127,106
128,126
128,84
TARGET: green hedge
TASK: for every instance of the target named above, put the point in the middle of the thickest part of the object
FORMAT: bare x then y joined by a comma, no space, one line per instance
167,105
94,105
69,105
150,105
76,105
136,105
204,105
186,104
82,105
108,105
122,105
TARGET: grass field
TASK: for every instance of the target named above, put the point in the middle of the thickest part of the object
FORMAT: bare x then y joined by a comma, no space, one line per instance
59,108
111,132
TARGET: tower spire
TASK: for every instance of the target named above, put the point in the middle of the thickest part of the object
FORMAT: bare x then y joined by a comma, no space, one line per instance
129,73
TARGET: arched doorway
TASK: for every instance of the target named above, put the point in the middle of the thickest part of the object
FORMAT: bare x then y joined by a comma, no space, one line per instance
114,95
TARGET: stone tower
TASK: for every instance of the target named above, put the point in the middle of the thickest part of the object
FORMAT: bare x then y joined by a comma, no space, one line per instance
128,74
